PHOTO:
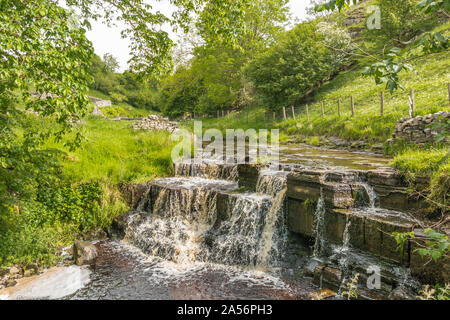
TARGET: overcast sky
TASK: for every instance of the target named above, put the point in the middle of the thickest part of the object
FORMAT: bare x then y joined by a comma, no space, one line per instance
108,40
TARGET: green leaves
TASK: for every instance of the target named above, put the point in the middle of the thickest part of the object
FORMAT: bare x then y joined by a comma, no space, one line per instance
39,52
289,70
401,239
335,4
387,70
430,6
432,42
437,246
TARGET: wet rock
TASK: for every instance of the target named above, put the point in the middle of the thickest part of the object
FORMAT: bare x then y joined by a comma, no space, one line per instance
338,142
301,217
85,253
248,176
119,226
378,147
335,222
424,268
385,176
308,185
133,193
327,277
401,294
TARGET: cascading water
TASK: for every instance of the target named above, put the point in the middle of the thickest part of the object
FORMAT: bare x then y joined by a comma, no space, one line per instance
270,236
173,226
319,227
370,194
195,219
210,170
344,251
273,239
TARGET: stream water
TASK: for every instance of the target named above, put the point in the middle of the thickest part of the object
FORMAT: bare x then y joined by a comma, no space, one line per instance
179,245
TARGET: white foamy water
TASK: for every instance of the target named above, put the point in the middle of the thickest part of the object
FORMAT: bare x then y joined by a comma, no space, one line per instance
54,284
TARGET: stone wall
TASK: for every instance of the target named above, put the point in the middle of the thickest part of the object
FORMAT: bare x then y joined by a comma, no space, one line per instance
417,130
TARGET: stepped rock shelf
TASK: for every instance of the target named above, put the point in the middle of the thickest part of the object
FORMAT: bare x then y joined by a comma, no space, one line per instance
324,216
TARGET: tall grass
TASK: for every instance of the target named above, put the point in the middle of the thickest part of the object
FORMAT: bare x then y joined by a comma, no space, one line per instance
116,153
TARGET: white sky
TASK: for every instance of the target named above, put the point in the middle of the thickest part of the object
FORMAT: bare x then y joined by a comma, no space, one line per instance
108,40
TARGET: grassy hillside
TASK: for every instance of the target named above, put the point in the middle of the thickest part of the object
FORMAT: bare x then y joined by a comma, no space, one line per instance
431,95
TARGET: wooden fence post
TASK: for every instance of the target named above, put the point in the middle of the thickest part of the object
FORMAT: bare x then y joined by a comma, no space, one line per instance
411,104
448,85
274,116
307,112
339,107
382,103
352,103
293,112
323,109
284,113
218,114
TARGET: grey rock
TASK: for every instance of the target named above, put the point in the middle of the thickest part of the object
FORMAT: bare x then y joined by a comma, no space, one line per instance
401,294
84,252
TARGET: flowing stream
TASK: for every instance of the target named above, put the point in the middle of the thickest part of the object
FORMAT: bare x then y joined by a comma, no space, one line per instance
197,236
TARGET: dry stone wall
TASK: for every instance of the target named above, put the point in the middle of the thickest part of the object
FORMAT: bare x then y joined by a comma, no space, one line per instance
418,130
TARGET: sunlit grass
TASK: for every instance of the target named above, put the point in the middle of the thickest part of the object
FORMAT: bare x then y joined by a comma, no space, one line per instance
114,152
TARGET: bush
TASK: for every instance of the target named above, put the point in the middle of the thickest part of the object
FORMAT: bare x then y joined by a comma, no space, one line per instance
402,19
288,71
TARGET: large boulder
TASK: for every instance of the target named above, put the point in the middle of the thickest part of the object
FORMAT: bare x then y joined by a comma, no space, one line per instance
84,253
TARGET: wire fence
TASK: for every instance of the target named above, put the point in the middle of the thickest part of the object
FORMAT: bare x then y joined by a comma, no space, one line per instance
337,107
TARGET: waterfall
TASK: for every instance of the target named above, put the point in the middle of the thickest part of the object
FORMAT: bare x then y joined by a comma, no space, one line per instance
210,170
173,228
189,218
344,250
236,240
319,226
370,193
269,235
271,182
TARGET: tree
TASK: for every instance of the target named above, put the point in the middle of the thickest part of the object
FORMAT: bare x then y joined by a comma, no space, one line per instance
289,70
403,19
111,63
215,69
44,51
386,67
